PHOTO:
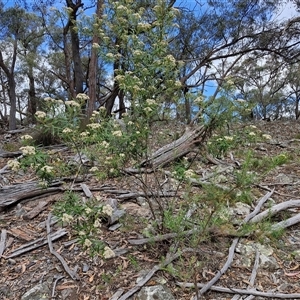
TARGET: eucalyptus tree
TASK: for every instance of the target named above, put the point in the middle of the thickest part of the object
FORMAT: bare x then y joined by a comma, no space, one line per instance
218,30
293,88
19,37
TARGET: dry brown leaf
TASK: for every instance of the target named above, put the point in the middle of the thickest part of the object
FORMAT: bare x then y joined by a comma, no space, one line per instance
64,287
91,279
23,268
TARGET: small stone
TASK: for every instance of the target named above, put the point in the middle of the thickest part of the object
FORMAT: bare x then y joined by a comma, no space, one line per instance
156,292
11,261
85,268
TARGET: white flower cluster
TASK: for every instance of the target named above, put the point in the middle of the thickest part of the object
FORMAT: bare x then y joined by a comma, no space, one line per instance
148,109
117,133
40,114
108,253
144,26
189,173
110,55
84,134
97,224
82,96
26,137
150,102
199,100
94,125
94,169
228,138
13,164
252,133
67,130
96,46
54,101
28,150
87,243
104,144
107,209
66,218
88,210
267,136
72,103
47,169
170,58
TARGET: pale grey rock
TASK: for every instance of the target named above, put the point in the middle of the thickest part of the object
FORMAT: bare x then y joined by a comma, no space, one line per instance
247,251
156,292
282,178
38,292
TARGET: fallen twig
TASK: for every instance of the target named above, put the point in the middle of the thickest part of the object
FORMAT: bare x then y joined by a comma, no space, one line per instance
160,237
37,243
148,276
2,241
286,223
72,274
252,278
229,260
253,292
275,209
54,285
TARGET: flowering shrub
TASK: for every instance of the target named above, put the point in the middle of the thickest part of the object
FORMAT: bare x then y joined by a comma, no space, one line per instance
86,219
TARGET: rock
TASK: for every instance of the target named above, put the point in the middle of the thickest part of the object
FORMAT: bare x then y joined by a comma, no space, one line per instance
85,267
282,178
38,292
247,253
156,292
237,213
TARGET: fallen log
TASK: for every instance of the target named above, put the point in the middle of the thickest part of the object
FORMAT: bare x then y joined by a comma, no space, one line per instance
10,195
192,137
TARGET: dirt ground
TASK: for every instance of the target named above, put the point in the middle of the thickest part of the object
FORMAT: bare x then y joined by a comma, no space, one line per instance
100,279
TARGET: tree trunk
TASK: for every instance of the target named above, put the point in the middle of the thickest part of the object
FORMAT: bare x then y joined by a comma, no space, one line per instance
11,87
77,64
32,101
92,78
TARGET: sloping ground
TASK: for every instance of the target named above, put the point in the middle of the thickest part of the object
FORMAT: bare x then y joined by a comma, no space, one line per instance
100,279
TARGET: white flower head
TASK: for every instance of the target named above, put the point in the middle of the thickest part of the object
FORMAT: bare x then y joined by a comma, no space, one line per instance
94,169
88,210
94,125
82,96
117,133
267,136
13,164
252,133
66,218
26,137
84,134
97,224
40,114
87,243
96,46
47,169
67,130
189,173
105,144
28,150
150,102
72,103
107,209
